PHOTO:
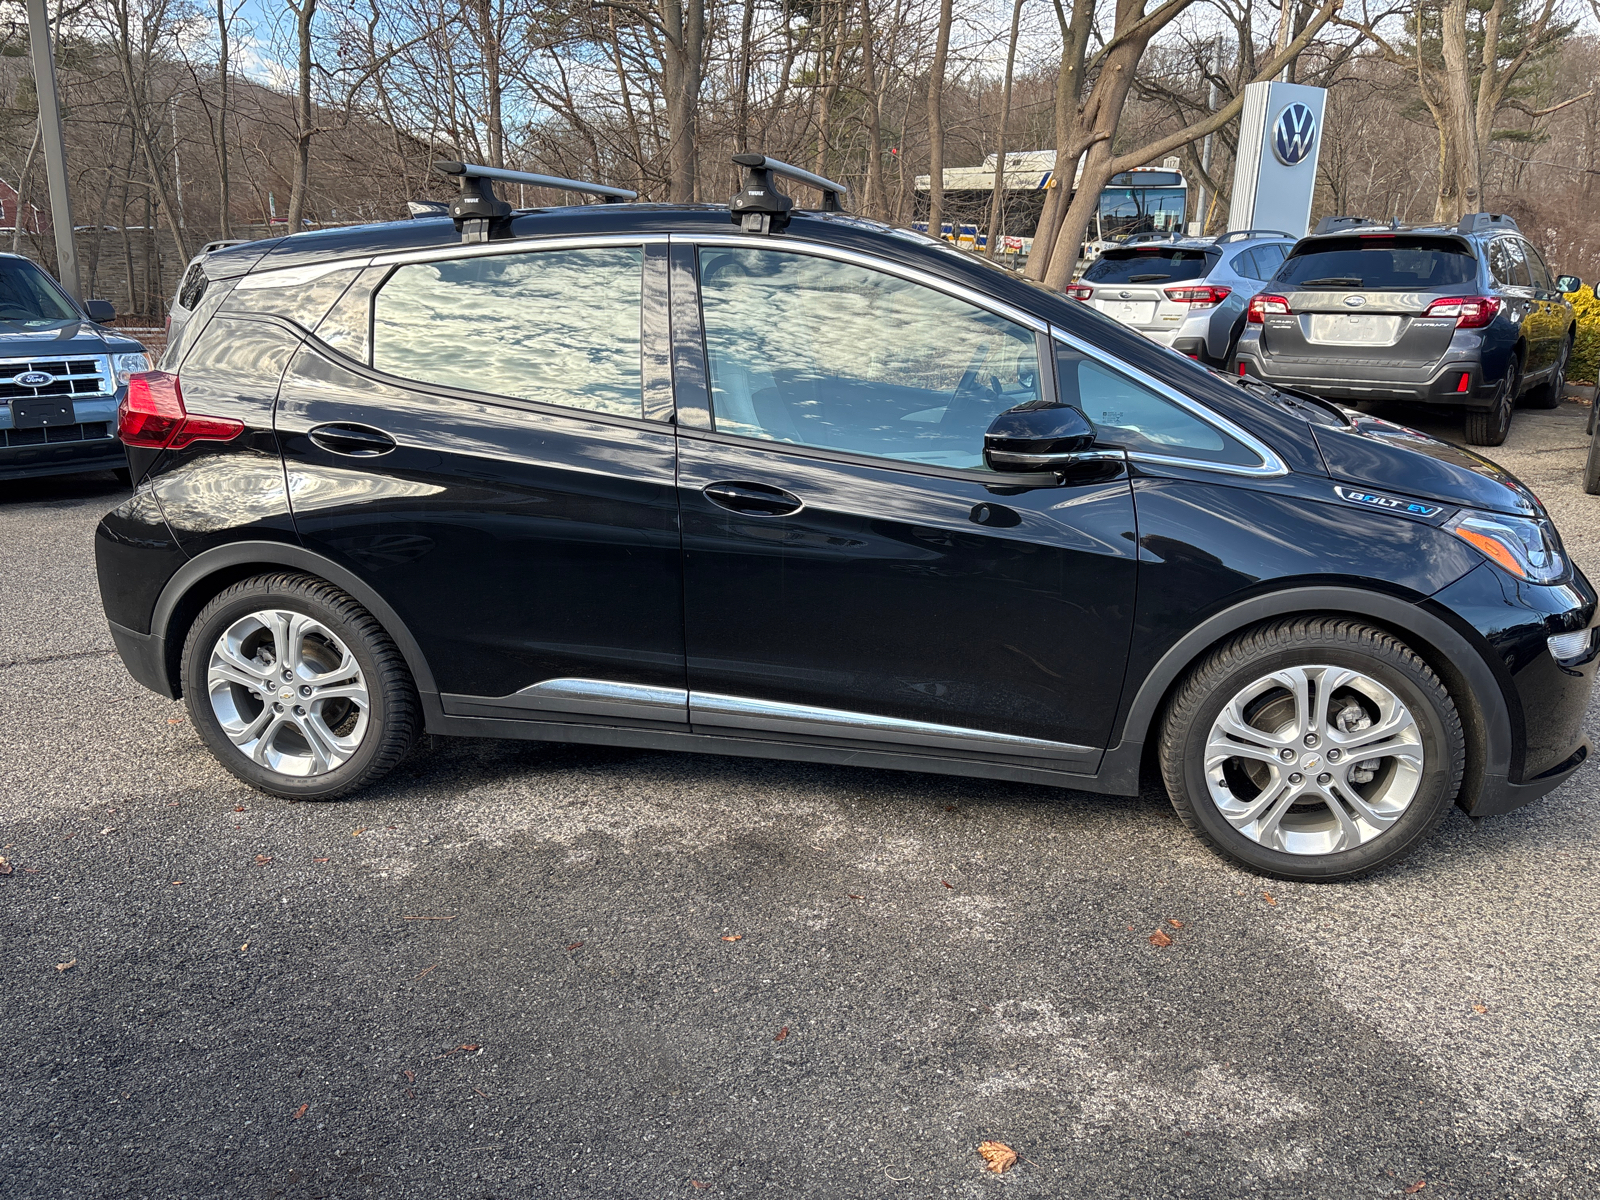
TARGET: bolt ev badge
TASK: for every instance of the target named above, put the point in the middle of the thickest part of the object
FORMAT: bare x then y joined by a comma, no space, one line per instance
1294,135
34,379
1411,508
1354,301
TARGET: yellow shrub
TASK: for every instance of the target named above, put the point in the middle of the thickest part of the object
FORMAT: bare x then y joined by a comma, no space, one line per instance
1585,364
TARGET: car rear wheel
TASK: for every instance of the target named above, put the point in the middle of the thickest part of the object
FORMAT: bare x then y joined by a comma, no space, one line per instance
1317,748
1489,426
1549,393
1591,469
297,689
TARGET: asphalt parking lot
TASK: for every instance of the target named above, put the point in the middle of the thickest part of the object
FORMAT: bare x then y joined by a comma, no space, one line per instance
519,970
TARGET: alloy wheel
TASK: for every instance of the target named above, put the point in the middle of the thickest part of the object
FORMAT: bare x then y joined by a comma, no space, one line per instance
288,693
1314,759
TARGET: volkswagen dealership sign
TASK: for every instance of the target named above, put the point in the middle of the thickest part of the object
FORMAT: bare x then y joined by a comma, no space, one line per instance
1294,135
1280,135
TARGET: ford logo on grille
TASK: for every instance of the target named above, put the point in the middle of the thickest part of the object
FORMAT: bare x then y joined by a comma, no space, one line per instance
34,379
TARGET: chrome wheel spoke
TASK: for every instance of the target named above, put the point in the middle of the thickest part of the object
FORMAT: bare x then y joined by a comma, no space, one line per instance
252,731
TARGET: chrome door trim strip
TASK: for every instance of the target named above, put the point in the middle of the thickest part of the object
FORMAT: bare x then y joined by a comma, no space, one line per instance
856,258
595,697
1271,464
277,277
518,246
738,712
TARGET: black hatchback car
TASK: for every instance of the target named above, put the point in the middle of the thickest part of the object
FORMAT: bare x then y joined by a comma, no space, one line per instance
1464,315
811,487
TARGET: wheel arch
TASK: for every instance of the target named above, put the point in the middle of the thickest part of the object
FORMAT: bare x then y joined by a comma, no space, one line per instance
195,583
1478,694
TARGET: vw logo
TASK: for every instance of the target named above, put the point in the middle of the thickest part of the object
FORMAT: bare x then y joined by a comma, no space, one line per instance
34,379
1354,301
1295,134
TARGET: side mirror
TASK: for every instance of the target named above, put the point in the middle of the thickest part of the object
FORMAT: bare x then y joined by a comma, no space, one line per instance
1568,283
1040,435
100,311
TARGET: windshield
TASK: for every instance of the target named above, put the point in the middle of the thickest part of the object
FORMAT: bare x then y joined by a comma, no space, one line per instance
1125,211
29,297
1150,264
1384,261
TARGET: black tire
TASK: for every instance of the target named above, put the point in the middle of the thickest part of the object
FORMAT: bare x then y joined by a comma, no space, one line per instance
1591,468
392,711
1489,426
1549,393
1335,642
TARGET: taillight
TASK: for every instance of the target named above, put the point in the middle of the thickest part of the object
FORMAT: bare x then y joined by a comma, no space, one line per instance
1263,304
152,415
1198,297
1470,312
1078,291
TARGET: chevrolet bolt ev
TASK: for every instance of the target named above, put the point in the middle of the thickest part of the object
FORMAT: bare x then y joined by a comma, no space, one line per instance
62,374
1464,315
1189,294
758,481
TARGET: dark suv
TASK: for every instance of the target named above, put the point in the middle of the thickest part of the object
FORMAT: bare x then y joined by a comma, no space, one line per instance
1467,315
810,487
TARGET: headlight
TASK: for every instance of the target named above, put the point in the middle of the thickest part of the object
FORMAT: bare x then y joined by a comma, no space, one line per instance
128,365
1526,548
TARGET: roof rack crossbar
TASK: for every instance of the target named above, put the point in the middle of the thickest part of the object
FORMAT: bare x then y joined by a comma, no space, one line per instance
760,207
479,214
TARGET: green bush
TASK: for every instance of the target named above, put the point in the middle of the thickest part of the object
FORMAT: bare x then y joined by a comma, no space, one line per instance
1585,366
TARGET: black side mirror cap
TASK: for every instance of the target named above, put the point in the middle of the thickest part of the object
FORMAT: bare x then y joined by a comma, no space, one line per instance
1041,435
100,311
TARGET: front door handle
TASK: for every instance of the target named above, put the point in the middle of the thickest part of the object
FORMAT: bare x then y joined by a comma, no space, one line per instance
753,499
352,441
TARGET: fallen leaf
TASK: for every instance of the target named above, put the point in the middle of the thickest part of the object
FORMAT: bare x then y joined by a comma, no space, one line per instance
853,896
695,1183
428,918
733,937
1416,1187
319,860
481,1092
424,971
575,946
464,1048
1176,924
1267,896
174,720
176,883
5,867
238,808
358,832
68,965
949,808
948,884
25,871
108,829
263,859
244,947
411,1076
997,1156
174,803
301,1111
1480,1009
1159,938
781,1034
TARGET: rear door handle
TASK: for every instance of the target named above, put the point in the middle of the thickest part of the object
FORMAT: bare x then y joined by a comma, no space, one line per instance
753,499
353,441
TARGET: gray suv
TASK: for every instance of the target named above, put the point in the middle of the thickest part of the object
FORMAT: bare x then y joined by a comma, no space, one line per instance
1190,294
1465,315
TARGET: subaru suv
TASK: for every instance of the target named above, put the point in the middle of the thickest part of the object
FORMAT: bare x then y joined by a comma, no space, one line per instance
1464,315
757,481
1189,294
62,373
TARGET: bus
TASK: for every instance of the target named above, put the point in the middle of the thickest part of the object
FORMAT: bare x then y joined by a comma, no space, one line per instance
1141,203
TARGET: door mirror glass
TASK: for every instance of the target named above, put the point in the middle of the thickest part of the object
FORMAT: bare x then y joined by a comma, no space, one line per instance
1041,435
1568,283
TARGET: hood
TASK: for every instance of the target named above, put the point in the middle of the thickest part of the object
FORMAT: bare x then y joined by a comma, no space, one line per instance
1380,454
62,338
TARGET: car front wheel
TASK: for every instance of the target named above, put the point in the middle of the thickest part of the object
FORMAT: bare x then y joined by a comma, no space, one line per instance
1313,749
297,689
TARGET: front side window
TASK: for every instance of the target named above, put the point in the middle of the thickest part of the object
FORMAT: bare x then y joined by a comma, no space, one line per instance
1507,264
555,326
813,352
1244,264
1128,414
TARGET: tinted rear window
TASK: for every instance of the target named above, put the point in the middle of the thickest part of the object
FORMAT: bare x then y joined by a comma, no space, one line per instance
1406,264
1150,264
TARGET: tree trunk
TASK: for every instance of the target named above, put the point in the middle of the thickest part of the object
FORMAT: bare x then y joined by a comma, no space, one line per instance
1460,166
830,85
941,52
1069,87
489,42
873,205
995,201
741,114
224,201
303,14
22,191
684,24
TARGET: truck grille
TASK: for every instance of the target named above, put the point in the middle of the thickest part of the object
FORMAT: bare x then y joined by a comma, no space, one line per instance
68,377
52,435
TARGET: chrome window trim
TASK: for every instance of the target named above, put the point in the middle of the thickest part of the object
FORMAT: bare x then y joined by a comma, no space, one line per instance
1269,467
856,258
516,246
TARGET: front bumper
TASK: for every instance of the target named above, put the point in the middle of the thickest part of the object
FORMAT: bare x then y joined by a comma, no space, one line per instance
89,445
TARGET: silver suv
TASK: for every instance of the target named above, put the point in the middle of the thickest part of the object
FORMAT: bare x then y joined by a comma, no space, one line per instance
1189,294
